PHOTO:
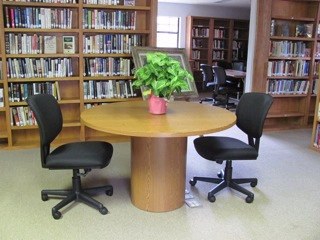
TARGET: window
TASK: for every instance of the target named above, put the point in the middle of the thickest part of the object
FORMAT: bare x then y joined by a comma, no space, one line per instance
168,31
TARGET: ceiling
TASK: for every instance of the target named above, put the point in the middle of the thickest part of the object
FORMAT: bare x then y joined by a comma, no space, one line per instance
224,3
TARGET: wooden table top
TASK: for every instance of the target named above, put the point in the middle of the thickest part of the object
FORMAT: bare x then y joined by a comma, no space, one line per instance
181,120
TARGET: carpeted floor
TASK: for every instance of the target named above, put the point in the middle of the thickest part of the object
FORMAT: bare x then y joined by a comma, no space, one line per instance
286,205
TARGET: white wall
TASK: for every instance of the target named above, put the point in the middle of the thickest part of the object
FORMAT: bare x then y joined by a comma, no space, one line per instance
184,10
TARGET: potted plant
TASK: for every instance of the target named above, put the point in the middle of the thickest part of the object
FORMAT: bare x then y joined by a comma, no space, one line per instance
161,77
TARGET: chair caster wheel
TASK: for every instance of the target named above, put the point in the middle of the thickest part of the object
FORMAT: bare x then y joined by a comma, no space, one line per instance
56,215
249,199
211,197
220,174
109,192
193,182
44,197
103,210
253,184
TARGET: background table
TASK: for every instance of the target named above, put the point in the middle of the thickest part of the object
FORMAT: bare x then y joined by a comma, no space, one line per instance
158,145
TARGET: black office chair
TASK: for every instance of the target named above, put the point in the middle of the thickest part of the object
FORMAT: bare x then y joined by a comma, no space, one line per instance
208,81
223,87
251,113
75,156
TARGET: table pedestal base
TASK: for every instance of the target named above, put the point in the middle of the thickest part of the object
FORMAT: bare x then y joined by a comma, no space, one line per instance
158,173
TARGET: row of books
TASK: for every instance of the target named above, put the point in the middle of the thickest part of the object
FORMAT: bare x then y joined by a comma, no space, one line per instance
23,43
287,28
200,32
196,54
107,67
1,98
103,2
287,86
316,142
108,89
199,43
103,19
220,44
219,33
19,92
317,54
35,17
47,1
111,43
316,68
218,55
22,116
41,67
295,68
1,70
289,49
111,2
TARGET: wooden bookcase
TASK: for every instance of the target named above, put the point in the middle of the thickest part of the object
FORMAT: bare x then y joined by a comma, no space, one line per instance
285,62
103,36
212,40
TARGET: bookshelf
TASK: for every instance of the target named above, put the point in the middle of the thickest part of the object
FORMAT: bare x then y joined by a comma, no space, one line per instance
285,61
79,51
212,40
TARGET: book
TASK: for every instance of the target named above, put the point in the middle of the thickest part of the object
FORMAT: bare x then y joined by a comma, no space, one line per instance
1,97
50,44
68,44
129,2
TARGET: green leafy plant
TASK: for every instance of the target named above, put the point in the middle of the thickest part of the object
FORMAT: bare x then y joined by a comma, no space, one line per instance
162,75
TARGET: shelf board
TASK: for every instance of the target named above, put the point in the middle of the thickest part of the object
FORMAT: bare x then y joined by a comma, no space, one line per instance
92,55
40,30
289,95
117,7
108,100
138,31
285,115
304,19
288,58
288,77
292,38
108,78
53,55
64,101
40,4
42,79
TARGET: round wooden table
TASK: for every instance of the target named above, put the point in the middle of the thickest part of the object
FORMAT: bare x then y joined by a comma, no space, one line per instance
158,145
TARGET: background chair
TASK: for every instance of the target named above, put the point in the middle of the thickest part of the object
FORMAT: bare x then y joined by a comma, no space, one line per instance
251,113
223,87
208,81
75,156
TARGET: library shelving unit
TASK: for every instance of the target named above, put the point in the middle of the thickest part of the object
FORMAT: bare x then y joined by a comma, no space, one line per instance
211,40
285,62
77,50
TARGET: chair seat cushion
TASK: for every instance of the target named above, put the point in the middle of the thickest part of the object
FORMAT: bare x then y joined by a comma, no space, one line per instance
224,148
80,155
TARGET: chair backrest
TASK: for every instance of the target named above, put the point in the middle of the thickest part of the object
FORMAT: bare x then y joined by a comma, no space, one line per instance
207,73
220,75
49,118
251,113
224,64
238,66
